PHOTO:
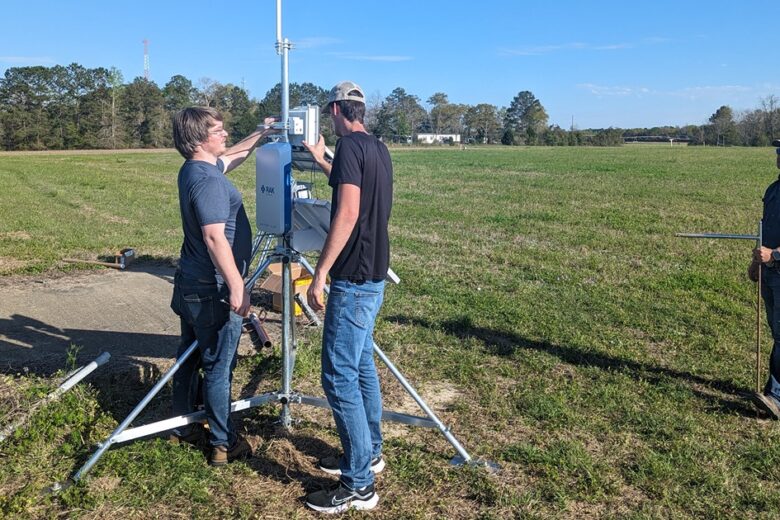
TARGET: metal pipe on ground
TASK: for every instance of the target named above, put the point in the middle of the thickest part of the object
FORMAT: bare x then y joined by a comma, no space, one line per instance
70,381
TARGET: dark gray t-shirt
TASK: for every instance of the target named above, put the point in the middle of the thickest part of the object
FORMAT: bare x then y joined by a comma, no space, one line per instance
206,196
364,161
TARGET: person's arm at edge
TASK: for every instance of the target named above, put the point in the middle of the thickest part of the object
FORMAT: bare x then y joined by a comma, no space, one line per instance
340,230
237,154
222,256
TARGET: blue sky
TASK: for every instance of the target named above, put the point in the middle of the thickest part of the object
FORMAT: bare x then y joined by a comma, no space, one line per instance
604,63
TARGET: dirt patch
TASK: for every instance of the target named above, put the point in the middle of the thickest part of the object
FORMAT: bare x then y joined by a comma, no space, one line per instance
438,395
10,264
16,235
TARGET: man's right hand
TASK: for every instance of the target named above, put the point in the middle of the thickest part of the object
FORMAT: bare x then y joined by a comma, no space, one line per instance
762,254
314,293
240,302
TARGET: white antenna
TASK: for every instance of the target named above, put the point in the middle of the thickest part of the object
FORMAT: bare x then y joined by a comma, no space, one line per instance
283,48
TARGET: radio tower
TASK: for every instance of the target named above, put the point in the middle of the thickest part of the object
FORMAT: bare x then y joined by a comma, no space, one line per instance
146,59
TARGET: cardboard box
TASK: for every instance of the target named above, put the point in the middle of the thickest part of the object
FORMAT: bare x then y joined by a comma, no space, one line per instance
301,280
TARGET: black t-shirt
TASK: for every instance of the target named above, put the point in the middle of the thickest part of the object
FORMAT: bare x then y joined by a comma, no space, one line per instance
771,220
363,160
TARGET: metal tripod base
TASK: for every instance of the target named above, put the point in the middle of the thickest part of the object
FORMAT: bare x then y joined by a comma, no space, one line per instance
245,404
489,466
285,396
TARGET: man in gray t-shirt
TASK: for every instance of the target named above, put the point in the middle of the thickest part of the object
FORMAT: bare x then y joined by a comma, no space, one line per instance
209,282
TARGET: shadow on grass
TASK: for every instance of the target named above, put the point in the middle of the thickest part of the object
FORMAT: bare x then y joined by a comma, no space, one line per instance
503,343
287,455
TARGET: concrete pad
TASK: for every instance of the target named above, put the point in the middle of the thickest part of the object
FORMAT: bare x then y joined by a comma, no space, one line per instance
125,313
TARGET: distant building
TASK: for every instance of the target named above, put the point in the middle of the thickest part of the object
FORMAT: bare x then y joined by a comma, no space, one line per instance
637,139
438,138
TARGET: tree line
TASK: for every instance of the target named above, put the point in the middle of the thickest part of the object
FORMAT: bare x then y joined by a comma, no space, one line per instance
74,107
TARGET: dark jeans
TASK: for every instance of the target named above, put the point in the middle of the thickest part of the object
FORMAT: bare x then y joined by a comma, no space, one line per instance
205,318
349,375
770,292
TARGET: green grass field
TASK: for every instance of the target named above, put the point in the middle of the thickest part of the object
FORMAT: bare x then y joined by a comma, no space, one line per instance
598,359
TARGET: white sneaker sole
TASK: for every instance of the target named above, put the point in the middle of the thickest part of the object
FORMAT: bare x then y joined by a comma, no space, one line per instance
376,469
360,505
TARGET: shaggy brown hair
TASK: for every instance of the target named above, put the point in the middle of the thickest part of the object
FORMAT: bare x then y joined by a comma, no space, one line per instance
191,128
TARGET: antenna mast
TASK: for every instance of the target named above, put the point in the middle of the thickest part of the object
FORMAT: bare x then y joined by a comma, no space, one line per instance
283,47
146,59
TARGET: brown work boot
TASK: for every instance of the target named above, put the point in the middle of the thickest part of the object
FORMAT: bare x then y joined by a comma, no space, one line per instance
221,455
196,435
767,404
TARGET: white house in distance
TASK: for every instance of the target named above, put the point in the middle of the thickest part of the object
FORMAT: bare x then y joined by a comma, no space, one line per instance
437,138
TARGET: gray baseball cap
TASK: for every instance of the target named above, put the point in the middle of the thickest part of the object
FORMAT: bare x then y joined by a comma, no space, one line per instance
346,90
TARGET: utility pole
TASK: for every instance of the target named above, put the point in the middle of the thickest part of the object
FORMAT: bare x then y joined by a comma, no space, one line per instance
146,59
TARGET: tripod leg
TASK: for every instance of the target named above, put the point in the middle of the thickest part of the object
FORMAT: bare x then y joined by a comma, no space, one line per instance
288,341
260,246
260,270
464,456
425,408
139,407
259,238
306,265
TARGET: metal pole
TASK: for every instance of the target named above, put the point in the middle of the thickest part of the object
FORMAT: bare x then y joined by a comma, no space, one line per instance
759,238
758,313
716,235
259,272
278,21
139,407
71,380
283,48
401,379
287,354
410,390
145,401
285,88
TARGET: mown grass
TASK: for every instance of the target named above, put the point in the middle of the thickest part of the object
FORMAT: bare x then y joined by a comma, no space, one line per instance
546,308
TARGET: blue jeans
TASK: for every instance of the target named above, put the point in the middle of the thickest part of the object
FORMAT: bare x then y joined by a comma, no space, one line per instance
209,321
349,376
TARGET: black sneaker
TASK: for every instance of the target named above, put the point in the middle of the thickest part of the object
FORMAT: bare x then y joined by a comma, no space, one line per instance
340,498
331,465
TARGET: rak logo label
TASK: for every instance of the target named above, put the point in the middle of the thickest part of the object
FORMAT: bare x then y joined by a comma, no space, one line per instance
266,190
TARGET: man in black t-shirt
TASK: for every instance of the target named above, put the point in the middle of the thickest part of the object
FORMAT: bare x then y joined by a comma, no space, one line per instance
356,254
768,255
209,283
